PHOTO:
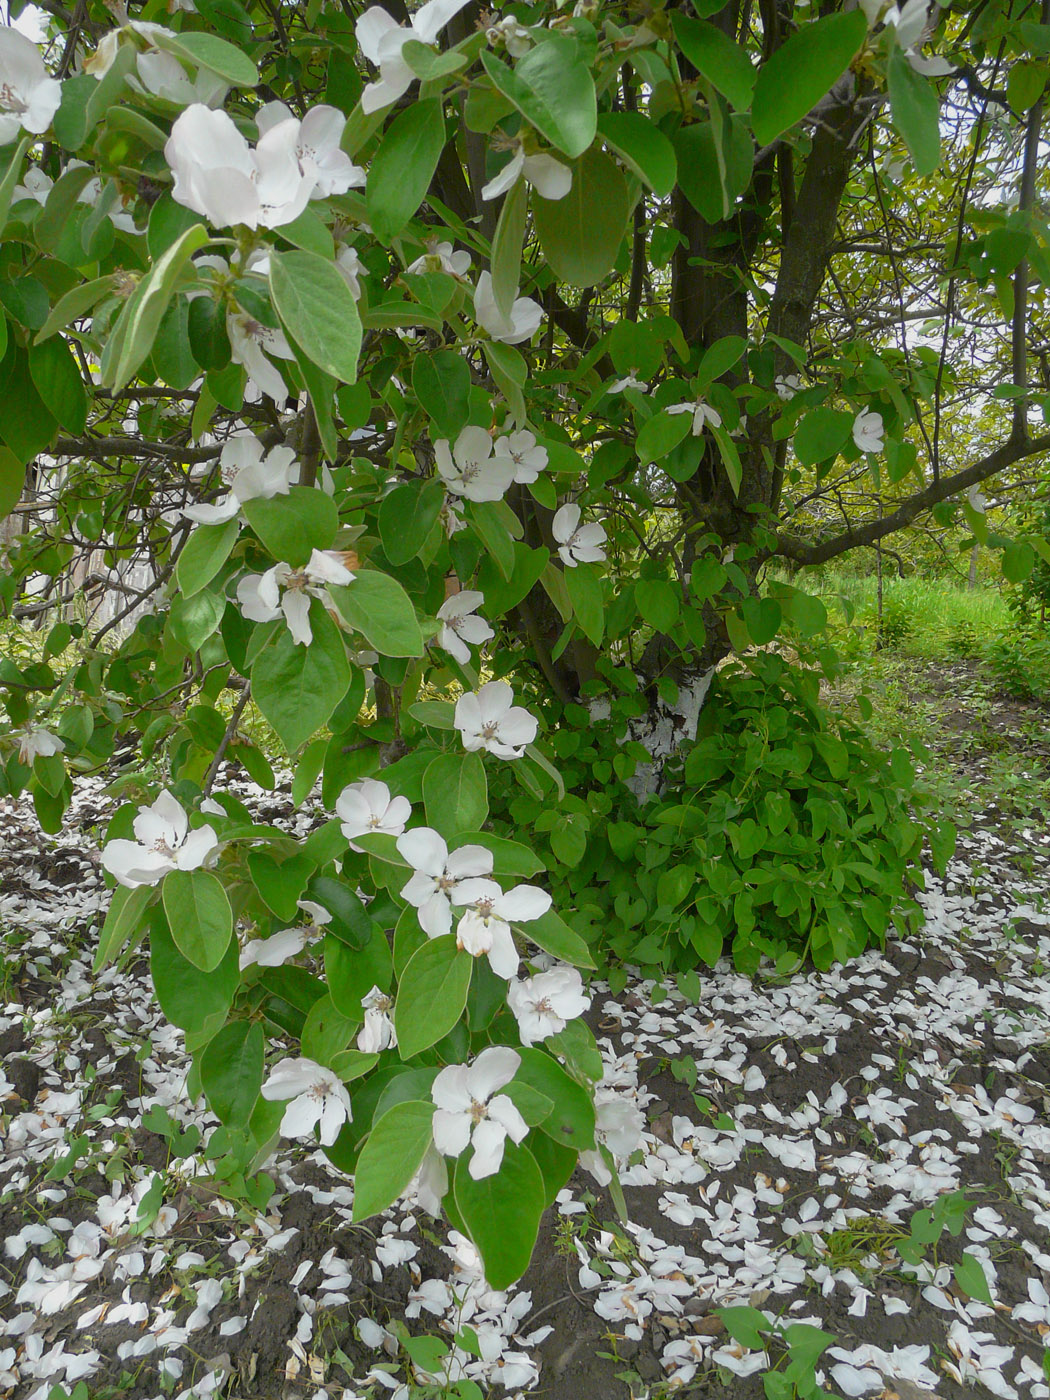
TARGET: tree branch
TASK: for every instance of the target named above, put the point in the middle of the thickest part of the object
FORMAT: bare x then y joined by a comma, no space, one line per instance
802,552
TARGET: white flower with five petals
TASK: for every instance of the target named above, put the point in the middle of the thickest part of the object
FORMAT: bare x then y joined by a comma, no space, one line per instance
522,323
219,176
547,176
29,96
275,950
868,431
284,590
542,1004
463,628
250,475
441,257
489,719
252,345
381,40
510,32
366,807
469,468
165,842
484,926
34,742
378,1032
525,452
702,415
471,1113
436,874
317,148
317,1097
577,544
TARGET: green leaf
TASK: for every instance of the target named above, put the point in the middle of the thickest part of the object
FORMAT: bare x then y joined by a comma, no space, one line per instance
58,381
551,933
487,519
762,617
745,1325
510,857
643,148
429,65
584,585
199,916
77,302
502,1213
190,999
351,973
205,50
317,308
122,921
713,54
506,247
821,434
403,167
660,434
12,481
1018,561
553,90
970,1277
659,602
280,883
571,1121
714,167
391,1156
232,1066
298,687
379,608
581,233
10,176
803,71
407,514
916,112
508,370
132,337
203,555
431,995
292,526
441,383
455,793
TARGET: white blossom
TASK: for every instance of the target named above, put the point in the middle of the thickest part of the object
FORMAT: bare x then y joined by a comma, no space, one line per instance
542,1004
378,1032
868,431
317,1097
251,345
165,842
218,175
351,268
463,628
522,323
250,475
437,873
35,742
275,950
489,719
629,381
381,40
284,590
787,386
29,96
548,177
366,807
470,1112
484,926
469,468
577,544
317,148
702,415
528,456
441,257
512,33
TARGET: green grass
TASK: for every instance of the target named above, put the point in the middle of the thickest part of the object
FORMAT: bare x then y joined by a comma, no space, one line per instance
922,617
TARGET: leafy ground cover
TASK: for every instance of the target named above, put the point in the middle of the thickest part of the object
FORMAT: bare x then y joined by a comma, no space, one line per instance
843,1185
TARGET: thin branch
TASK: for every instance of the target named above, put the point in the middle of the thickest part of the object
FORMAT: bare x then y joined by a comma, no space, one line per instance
227,739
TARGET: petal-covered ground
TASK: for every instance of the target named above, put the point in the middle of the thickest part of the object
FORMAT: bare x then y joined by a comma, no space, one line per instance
802,1136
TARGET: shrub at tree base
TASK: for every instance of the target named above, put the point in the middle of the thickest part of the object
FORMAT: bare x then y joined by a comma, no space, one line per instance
781,833
434,389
